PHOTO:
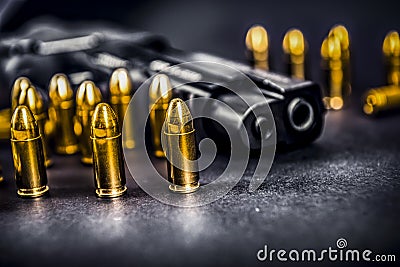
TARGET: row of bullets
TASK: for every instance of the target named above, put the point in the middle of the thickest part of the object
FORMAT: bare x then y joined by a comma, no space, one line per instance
93,127
335,64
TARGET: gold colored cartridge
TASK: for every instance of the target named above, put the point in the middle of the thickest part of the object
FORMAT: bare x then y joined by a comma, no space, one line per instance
27,151
87,97
382,99
61,114
391,52
337,79
24,93
108,166
181,149
294,47
257,43
121,93
160,94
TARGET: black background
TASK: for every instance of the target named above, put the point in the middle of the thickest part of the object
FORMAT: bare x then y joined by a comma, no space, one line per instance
346,184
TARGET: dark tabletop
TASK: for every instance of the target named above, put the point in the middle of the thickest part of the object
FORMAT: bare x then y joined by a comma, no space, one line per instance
345,185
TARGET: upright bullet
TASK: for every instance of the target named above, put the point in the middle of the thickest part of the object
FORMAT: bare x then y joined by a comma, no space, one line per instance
121,94
1,174
391,52
87,97
61,113
257,46
160,94
294,47
109,172
179,135
340,32
382,99
5,118
336,71
27,151
20,84
24,93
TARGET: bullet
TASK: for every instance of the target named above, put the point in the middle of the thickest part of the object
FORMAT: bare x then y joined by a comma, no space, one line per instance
121,93
340,32
337,84
61,113
87,97
27,151
24,93
108,167
160,94
257,43
1,174
294,47
179,135
391,52
5,116
382,99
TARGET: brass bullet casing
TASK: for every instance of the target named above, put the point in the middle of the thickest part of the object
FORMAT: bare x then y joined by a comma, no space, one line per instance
336,71
87,97
24,93
121,93
382,99
5,125
181,149
391,52
27,151
1,174
340,32
160,94
108,166
257,43
61,113
294,47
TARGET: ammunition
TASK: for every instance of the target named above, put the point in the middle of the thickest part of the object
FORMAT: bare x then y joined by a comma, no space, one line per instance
87,97
391,52
340,32
336,69
160,95
108,167
27,151
179,135
121,93
257,46
61,114
5,115
20,84
24,93
1,174
382,99
294,47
